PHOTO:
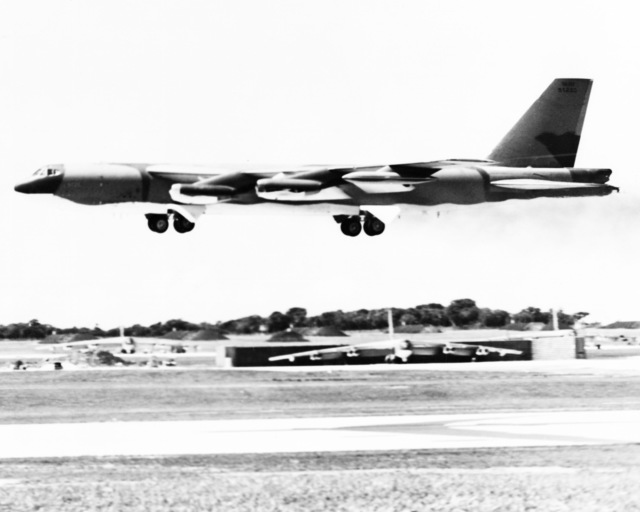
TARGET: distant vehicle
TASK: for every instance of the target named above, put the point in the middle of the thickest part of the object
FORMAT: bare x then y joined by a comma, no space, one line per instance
535,159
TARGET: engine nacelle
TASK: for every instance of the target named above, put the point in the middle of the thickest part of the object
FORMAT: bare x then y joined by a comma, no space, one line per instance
482,351
291,184
207,190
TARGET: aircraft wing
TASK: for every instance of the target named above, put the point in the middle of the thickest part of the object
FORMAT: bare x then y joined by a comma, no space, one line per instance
207,185
272,184
89,344
402,349
165,342
374,348
127,340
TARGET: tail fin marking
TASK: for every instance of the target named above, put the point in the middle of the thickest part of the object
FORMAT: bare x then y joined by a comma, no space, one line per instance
548,134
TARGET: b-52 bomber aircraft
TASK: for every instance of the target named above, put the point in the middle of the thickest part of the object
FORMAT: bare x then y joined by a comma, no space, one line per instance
401,350
535,159
396,350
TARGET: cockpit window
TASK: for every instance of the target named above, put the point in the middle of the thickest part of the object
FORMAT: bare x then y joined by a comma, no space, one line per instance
47,171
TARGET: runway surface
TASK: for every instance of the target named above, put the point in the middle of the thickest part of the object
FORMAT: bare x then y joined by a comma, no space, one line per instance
320,434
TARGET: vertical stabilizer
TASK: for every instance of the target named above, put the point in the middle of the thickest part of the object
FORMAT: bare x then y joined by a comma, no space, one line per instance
548,134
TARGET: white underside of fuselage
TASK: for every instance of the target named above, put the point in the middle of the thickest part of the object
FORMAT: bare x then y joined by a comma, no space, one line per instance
386,213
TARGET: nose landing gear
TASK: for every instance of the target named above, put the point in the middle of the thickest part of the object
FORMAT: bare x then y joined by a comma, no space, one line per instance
351,225
159,223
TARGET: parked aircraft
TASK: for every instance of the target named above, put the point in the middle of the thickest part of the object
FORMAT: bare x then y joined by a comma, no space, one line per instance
596,335
535,159
400,350
127,345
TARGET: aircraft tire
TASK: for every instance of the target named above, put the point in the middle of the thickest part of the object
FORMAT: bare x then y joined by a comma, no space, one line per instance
351,226
373,226
182,225
158,223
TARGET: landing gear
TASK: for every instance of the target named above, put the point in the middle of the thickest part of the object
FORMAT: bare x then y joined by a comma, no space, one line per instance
182,225
159,222
351,225
373,226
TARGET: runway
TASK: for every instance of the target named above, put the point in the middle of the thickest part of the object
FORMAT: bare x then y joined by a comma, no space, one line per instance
425,432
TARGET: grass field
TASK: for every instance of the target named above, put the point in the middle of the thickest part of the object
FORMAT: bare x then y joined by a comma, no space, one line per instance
599,478
540,479
210,394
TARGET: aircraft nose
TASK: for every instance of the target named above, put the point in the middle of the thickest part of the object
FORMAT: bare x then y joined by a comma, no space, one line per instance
43,185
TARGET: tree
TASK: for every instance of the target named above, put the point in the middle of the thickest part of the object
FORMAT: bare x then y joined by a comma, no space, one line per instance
245,325
359,320
278,322
409,319
432,314
329,319
137,330
463,312
298,316
566,321
379,318
532,314
160,329
495,318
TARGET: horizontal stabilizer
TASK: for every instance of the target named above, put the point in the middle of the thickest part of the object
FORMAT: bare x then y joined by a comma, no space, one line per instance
533,184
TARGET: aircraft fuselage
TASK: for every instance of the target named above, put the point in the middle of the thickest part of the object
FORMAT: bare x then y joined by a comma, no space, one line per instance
535,159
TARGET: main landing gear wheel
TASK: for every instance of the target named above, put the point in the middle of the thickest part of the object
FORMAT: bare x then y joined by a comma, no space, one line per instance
373,226
182,225
158,223
351,226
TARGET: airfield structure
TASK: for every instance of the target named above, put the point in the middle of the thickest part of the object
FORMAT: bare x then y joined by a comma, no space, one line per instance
256,351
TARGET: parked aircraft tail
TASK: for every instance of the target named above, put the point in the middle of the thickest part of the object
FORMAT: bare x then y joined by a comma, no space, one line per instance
548,134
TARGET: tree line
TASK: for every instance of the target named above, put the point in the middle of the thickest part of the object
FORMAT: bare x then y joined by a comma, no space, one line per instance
461,313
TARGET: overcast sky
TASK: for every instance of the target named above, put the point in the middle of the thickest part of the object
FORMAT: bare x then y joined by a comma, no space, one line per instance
345,82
